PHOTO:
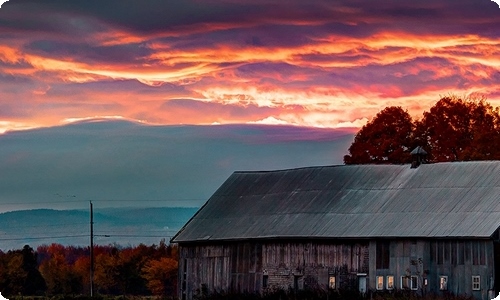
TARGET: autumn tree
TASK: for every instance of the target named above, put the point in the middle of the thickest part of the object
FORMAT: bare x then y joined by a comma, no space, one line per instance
20,273
139,270
60,276
161,276
455,129
386,139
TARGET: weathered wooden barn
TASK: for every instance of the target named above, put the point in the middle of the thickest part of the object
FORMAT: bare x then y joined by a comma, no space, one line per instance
373,227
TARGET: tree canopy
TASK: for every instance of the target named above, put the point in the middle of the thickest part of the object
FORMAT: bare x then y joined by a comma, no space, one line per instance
454,129
386,139
64,270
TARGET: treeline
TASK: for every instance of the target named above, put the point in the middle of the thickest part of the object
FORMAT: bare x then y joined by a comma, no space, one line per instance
65,270
454,129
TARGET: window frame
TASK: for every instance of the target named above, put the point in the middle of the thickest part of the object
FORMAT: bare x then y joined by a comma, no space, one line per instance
405,279
414,288
387,282
478,283
379,285
441,277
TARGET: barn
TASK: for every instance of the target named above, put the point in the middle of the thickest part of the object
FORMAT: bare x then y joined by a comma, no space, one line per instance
430,229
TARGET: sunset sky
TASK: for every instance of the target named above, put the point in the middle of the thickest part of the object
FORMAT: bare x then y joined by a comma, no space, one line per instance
310,63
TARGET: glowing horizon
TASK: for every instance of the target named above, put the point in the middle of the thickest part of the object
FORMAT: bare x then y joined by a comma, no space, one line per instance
187,62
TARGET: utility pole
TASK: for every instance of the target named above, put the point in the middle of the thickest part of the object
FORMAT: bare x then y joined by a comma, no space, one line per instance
91,250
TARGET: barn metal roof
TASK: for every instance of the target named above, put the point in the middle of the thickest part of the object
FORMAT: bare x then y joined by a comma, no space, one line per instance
460,199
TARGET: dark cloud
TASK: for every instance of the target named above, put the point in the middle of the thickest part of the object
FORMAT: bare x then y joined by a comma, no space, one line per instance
83,52
195,108
200,16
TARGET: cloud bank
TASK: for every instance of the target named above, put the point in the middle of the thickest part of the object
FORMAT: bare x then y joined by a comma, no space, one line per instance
320,63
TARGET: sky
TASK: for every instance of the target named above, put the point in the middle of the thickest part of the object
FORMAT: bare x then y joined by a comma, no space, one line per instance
312,63
125,164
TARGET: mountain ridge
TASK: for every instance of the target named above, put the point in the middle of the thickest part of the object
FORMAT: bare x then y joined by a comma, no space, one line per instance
123,226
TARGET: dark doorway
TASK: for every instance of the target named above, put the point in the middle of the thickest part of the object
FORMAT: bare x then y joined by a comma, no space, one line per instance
496,249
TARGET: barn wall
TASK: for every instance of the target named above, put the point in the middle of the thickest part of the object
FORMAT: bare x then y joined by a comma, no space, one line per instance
221,267
310,265
256,267
245,267
403,258
459,260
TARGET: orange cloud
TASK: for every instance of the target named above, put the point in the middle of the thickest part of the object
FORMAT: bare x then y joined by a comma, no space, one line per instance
295,66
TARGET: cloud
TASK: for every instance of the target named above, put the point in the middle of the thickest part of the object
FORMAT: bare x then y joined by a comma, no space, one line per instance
314,64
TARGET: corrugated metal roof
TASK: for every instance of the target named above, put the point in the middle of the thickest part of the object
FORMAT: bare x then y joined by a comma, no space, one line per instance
460,199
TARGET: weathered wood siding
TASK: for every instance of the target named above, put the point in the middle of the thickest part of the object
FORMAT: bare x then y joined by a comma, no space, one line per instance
309,265
219,267
257,266
459,260
242,267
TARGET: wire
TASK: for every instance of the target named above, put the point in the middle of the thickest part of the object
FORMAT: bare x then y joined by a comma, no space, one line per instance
44,237
131,235
107,200
46,225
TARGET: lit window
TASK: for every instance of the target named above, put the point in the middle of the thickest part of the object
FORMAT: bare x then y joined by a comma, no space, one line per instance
443,283
414,282
390,282
331,282
476,283
405,282
380,282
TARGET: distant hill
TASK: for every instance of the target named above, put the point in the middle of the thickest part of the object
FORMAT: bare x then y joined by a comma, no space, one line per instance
123,226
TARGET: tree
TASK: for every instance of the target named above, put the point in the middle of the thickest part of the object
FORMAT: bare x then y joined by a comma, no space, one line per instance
20,274
386,139
60,276
458,129
161,276
454,129
16,275
34,284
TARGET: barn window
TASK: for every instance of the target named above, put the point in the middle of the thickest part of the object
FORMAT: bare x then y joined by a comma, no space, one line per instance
439,250
476,283
475,254
405,282
446,252
482,254
409,282
380,282
443,283
382,255
461,250
265,281
332,284
298,282
414,282
390,282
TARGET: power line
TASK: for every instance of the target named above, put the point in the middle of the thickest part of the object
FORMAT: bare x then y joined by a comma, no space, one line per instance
43,237
129,235
106,200
40,226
